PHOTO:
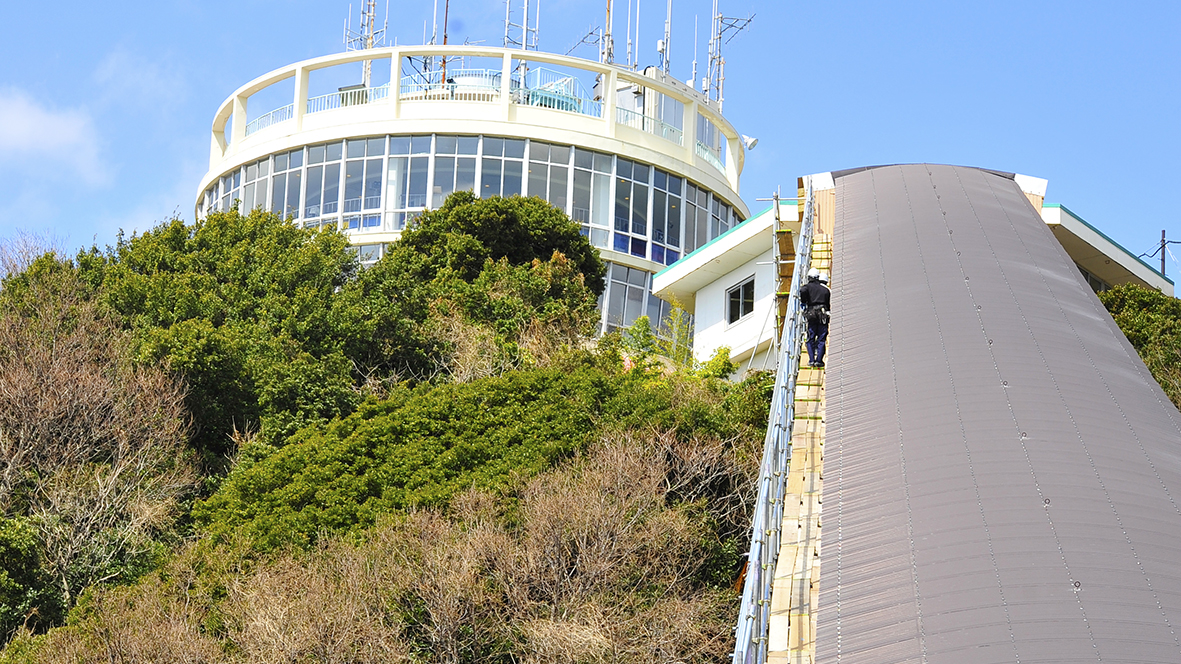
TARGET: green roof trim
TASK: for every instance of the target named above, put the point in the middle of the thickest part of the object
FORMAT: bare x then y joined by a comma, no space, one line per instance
1104,236
702,247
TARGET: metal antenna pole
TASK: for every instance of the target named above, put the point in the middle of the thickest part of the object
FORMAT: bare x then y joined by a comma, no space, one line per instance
608,54
693,80
507,12
1163,245
668,31
636,64
629,34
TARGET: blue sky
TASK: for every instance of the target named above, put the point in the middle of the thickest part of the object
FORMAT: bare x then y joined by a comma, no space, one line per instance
105,108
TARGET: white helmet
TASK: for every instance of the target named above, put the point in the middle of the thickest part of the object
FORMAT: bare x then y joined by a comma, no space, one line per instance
824,277
813,274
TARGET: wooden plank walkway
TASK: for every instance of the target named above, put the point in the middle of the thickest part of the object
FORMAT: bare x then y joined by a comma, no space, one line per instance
796,590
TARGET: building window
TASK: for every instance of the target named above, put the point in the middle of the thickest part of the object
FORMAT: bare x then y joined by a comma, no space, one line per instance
631,208
592,195
549,173
286,183
740,301
322,188
455,166
1096,284
666,218
501,167
406,185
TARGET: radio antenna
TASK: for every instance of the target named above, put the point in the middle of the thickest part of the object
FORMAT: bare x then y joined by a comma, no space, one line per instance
368,37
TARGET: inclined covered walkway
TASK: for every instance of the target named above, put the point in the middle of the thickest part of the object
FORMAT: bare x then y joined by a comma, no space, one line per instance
1001,473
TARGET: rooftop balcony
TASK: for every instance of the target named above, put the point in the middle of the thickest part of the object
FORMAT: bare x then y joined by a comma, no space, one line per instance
545,92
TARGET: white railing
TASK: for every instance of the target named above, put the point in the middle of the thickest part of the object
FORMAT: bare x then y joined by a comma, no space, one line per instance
274,117
650,125
705,153
754,615
345,98
555,89
454,85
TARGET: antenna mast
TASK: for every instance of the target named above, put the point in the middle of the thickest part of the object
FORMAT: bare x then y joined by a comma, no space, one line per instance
528,41
721,26
607,51
662,45
368,37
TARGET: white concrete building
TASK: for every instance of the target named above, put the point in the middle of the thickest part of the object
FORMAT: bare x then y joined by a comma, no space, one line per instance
651,171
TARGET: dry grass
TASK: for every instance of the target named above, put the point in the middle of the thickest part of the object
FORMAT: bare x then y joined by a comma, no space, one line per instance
591,562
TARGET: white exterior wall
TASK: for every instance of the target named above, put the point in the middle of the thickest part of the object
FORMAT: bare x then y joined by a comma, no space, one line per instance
755,329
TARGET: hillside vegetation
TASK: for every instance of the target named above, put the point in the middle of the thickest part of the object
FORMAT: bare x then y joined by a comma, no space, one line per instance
1151,321
226,442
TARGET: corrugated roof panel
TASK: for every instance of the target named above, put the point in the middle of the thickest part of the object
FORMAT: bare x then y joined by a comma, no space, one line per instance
1001,471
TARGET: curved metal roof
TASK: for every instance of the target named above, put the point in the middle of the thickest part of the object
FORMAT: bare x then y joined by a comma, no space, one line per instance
1002,474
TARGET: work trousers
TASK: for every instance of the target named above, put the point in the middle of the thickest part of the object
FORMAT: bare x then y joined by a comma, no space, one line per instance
817,336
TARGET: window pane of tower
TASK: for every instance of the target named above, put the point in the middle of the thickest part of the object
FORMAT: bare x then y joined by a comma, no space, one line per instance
444,179
418,175
331,199
673,214
581,210
623,189
640,209
397,180
465,174
557,186
373,184
658,210
293,188
315,185
512,177
468,144
634,307
354,176
248,198
489,177
601,200
537,177
280,189
514,147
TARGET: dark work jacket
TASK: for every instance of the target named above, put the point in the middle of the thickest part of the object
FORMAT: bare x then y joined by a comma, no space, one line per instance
814,293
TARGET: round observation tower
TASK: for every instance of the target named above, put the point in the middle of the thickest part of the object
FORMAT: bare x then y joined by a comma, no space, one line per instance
646,165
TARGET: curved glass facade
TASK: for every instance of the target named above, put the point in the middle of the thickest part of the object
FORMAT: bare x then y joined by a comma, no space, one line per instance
378,184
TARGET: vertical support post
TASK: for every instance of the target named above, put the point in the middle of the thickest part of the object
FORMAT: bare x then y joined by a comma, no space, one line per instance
1163,246
300,108
396,83
733,148
690,123
610,93
239,123
506,87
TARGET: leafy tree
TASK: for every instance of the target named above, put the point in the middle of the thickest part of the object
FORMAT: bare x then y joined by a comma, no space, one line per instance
224,303
1151,321
461,236
417,448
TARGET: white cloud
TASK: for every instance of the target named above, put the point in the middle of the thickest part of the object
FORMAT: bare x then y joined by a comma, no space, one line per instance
32,134
144,84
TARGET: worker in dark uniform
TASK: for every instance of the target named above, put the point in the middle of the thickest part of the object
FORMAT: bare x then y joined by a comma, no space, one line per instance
814,297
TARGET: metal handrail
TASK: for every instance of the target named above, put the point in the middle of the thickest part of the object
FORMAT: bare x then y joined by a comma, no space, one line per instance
346,98
276,116
754,615
649,124
707,154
